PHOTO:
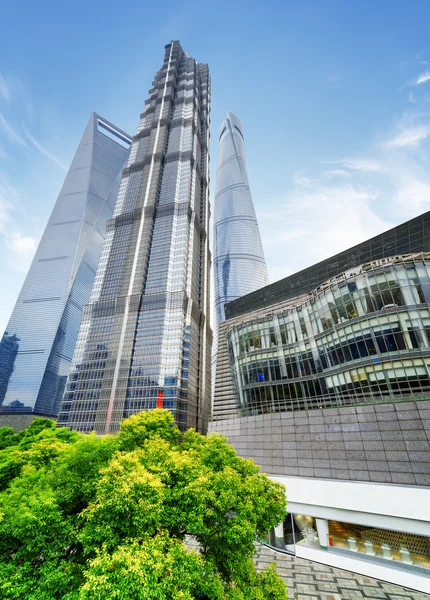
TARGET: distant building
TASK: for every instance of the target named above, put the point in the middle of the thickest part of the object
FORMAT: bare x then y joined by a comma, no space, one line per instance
145,339
329,374
239,264
37,347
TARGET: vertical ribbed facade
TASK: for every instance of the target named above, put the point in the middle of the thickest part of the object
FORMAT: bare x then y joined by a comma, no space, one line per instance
239,264
37,347
145,338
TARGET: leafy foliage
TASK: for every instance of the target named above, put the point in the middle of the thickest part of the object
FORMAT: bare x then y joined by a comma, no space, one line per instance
8,437
83,516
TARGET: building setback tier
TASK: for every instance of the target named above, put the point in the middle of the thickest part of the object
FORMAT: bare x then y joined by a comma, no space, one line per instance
145,338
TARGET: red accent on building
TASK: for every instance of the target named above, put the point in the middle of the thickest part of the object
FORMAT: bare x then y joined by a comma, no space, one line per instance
160,399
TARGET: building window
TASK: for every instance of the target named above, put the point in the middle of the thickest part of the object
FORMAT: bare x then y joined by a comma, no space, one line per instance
374,543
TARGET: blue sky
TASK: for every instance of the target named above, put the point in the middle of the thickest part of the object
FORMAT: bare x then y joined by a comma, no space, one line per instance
334,97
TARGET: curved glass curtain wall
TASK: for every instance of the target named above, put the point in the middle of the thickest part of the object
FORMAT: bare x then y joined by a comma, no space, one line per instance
364,334
239,265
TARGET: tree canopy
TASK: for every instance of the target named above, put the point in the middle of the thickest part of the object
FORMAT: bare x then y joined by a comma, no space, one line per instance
100,517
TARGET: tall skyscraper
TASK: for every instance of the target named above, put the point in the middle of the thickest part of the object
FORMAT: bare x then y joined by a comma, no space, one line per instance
145,338
37,347
239,265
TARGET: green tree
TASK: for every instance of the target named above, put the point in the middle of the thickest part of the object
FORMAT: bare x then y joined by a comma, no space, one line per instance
86,516
8,437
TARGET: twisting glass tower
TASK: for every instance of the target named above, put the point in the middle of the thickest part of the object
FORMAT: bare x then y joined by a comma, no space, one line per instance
239,265
145,338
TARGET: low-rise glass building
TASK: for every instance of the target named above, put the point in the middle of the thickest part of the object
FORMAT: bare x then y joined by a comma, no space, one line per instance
362,334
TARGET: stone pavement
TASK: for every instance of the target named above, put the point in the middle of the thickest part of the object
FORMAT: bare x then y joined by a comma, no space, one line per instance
308,580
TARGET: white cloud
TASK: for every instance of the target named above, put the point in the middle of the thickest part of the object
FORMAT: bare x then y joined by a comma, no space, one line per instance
417,80
310,225
4,212
22,244
358,198
275,273
411,193
411,98
12,87
11,133
423,78
300,179
410,136
19,246
21,250
358,164
337,173
43,150
22,247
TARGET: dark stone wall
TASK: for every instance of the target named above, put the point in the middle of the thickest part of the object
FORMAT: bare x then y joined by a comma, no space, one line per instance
18,421
387,443
412,236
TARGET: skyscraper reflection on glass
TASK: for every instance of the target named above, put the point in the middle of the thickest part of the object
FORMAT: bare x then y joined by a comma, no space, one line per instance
37,347
145,338
239,265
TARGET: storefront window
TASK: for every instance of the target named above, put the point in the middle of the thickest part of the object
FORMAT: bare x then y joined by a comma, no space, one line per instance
407,548
296,529
303,530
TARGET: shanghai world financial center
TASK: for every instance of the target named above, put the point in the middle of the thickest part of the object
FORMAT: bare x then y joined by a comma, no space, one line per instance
37,347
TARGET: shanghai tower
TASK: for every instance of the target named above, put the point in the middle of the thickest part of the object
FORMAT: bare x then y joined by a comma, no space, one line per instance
239,264
145,339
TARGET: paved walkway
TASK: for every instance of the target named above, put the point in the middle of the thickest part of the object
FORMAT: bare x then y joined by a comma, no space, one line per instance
311,581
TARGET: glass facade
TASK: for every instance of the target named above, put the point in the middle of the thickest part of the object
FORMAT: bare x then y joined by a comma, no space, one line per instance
409,237
145,338
37,347
367,542
360,336
239,265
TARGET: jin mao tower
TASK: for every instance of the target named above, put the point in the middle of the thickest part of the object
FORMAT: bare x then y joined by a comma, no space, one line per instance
145,338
